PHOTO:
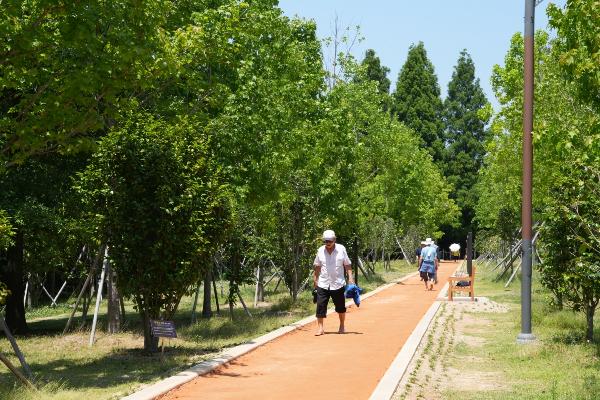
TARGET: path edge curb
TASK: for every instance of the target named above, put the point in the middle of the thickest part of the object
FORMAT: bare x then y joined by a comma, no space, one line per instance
388,384
166,385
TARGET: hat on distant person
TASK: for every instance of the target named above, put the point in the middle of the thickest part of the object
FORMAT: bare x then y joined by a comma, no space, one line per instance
428,241
328,235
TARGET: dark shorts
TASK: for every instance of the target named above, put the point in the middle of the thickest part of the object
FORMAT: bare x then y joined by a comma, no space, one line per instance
323,296
426,276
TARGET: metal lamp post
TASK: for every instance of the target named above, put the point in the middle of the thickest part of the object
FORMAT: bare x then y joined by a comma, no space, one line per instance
526,202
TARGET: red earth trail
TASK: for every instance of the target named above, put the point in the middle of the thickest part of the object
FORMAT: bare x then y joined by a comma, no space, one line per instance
331,366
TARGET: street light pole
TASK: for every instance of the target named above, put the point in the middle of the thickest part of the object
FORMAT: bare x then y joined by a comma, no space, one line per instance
526,202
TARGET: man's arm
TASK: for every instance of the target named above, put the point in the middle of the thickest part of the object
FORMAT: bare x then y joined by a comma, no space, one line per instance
316,274
348,269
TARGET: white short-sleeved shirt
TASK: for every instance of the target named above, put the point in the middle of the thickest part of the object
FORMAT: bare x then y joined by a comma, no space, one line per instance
332,267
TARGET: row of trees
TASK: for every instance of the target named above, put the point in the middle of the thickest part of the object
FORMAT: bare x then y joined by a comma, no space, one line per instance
165,133
453,130
567,154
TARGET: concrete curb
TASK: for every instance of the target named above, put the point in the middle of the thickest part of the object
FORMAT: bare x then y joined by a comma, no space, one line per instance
161,387
388,384
391,379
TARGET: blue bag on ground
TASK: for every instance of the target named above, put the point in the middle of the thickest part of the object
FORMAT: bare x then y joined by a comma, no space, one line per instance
353,292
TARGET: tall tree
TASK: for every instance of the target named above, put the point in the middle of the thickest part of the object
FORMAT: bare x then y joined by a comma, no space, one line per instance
417,101
466,114
156,199
374,71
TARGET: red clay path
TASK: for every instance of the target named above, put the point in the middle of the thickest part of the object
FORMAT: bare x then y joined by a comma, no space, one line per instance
331,366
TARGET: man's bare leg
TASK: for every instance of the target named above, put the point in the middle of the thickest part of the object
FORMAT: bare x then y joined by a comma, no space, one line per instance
342,319
320,329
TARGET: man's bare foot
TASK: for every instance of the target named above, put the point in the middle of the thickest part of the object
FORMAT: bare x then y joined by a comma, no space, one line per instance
319,333
341,330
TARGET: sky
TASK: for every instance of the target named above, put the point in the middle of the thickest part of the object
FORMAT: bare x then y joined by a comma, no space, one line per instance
482,27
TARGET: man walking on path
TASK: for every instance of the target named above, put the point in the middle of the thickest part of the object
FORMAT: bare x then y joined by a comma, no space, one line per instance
428,263
330,263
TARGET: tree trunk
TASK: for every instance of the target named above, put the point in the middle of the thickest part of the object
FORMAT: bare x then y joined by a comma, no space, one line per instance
206,300
214,286
150,342
114,306
14,278
590,309
297,211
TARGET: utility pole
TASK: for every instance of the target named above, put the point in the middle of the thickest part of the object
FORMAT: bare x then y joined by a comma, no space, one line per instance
526,202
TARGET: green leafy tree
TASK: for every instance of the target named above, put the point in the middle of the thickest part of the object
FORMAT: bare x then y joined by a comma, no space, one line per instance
572,238
379,173
264,132
577,27
157,201
417,101
499,183
466,114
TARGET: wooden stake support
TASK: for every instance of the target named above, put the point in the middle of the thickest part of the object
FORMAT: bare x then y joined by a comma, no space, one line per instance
16,349
99,297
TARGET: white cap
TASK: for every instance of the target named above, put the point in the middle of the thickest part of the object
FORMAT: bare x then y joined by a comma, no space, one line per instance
328,235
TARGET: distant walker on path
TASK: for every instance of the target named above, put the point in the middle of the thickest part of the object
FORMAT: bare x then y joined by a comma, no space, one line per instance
329,281
428,263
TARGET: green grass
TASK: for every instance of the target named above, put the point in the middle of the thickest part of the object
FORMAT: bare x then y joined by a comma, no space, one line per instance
66,368
559,365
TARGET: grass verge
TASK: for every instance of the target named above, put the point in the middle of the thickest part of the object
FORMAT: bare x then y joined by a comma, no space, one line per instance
559,365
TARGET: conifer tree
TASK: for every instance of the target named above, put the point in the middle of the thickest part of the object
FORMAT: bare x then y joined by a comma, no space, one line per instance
417,101
466,113
376,72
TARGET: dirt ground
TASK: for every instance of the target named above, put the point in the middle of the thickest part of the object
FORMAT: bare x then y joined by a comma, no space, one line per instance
332,366
429,373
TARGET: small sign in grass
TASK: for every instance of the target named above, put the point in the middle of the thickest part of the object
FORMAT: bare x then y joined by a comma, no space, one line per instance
165,329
